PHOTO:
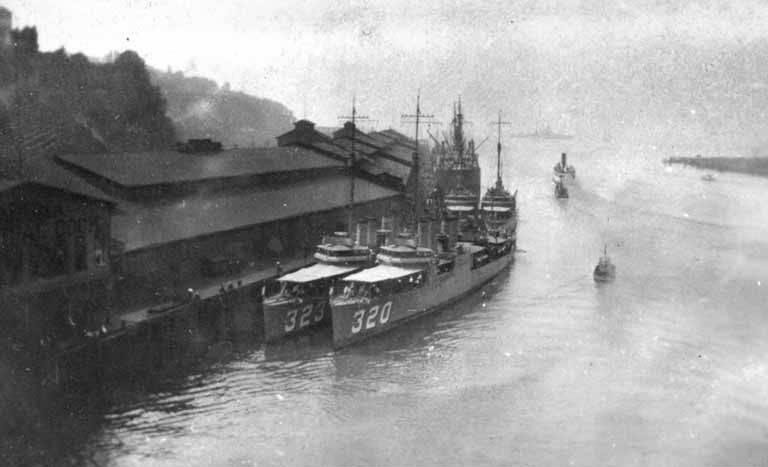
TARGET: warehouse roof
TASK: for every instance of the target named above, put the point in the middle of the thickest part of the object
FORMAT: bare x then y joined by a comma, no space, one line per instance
141,226
162,167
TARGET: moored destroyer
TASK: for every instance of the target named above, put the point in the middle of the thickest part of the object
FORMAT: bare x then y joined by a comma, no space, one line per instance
302,301
410,280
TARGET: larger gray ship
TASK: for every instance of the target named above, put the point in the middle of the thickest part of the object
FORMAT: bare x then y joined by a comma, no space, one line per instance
457,164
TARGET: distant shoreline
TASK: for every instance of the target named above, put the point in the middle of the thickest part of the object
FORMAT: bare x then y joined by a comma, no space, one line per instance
747,165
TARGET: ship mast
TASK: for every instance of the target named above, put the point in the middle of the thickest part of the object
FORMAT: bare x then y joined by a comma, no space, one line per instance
351,169
416,175
498,154
352,161
458,132
498,123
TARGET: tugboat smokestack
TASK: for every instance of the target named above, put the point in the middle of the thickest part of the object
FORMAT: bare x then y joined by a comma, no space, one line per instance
563,160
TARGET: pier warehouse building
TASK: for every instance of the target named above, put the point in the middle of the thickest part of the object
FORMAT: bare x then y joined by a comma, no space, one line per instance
187,216
55,279
89,238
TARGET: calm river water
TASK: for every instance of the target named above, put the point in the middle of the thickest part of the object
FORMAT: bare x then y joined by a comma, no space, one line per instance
668,365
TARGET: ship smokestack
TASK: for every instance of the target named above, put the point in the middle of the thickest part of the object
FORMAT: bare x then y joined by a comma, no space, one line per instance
382,234
381,237
563,157
453,230
429,234
419,231
442,242
357,234
370,234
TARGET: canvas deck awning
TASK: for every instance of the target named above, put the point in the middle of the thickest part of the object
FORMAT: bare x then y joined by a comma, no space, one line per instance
382,272
315,272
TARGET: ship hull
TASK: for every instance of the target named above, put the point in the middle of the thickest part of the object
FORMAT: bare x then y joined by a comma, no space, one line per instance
285,320
356,320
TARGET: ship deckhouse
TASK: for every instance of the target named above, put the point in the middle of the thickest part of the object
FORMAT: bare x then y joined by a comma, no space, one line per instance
499,207
460,200
405,252
337,255
563,170
498,199
403,260
340,249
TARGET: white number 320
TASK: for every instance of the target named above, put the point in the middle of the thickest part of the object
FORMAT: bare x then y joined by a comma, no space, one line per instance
372,314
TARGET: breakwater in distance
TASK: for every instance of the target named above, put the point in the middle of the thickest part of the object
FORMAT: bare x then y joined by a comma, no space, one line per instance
746,165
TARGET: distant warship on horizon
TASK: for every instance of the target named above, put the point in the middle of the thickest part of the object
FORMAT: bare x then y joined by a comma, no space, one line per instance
543,133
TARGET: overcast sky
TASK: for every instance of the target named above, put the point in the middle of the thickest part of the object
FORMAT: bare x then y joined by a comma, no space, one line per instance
312,56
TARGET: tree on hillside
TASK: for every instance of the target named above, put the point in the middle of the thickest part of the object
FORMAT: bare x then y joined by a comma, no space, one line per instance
115,102
200,109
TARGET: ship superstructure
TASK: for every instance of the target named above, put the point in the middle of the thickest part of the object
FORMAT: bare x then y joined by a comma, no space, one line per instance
457,163
498,206
302,301
564,171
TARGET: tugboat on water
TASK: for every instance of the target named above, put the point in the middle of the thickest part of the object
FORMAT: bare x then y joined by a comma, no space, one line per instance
563,170
457,165
302,301
410,280
605,271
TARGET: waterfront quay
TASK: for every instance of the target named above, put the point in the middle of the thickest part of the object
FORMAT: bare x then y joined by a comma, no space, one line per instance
123,262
